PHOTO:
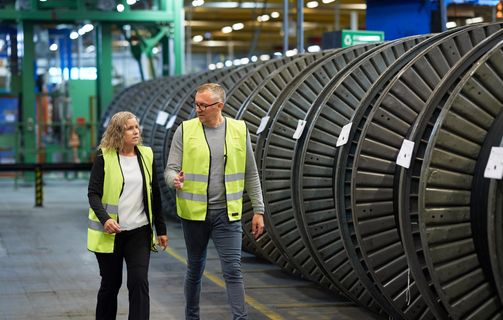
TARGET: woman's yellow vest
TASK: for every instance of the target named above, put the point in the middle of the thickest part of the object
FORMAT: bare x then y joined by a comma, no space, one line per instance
97,239
192,199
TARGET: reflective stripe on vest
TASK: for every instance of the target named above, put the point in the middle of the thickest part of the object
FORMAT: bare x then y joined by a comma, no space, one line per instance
97,239
192,200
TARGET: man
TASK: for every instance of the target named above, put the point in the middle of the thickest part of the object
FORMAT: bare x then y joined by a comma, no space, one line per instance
210,163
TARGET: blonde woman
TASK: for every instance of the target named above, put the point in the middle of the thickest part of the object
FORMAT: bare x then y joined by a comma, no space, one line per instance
125,207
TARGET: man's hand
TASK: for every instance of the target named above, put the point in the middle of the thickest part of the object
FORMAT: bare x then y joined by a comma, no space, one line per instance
257,225
163,242
178,180
111,226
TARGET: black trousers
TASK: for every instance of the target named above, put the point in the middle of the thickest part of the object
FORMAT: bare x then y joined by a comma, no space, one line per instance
134,247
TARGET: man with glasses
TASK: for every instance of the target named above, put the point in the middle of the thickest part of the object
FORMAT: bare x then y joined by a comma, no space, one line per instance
210,163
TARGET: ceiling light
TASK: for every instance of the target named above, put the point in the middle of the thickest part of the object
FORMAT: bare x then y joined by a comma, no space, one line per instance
312,4
155,50
254,58
197,38
212,66
263,18
220,65
228,63
88,27
53,47
278,54
474,20
120,7
264,57
451,24
327,1
314,48
245,60
238,26
74,35
275,14
227,29
131,2
197,3
236,62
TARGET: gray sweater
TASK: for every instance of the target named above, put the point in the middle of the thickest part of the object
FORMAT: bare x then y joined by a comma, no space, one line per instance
216,188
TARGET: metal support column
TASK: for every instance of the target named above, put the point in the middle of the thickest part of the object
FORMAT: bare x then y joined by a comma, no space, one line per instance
300,26
179,18
104,66
285,26
28,112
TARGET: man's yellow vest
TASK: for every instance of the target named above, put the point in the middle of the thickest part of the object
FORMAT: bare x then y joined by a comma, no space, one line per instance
192,199
97,239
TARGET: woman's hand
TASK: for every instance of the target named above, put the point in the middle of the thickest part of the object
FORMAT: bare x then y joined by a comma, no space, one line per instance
111,226
163,242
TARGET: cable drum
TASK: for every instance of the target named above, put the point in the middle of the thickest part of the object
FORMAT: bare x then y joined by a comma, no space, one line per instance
421,241
472,113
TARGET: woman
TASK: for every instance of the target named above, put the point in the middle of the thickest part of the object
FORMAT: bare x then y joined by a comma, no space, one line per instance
124,204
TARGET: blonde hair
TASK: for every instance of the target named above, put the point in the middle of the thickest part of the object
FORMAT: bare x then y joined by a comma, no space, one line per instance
215,89
113,138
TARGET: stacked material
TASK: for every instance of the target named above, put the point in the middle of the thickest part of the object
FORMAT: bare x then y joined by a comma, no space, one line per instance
372,161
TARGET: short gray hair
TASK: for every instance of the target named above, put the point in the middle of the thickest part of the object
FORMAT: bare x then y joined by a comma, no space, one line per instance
215,89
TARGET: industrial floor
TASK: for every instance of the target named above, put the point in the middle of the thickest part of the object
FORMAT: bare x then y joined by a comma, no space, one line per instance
46,271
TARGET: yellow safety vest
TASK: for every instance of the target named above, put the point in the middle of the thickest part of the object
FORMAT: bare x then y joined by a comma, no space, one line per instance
192,199
97,239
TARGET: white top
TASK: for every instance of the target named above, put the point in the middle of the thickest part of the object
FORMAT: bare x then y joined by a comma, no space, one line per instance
131,211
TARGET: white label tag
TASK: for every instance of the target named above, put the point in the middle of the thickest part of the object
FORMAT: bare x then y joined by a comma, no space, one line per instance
344,135
263,124
494,167
162,117
405,154
171,122
300,128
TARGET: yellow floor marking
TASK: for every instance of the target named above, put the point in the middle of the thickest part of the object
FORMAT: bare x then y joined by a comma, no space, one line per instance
219,282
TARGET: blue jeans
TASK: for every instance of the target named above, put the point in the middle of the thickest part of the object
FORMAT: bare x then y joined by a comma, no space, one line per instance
227,237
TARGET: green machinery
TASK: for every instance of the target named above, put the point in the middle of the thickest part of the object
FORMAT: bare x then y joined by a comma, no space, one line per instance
161,19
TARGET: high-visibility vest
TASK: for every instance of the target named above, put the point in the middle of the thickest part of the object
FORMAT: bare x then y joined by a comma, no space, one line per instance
97,239
192,199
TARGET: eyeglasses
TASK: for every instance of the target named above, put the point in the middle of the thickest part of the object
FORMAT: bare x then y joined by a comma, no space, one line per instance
203,106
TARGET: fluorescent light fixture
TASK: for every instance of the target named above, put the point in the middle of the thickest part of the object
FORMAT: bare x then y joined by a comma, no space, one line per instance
314,48
197,38
212,66
263,18
197,3
120,7
474,20
227,29
290,53
131,2
228,63
53,47
327,1
88,27
245,60
236,62
220,65
277,54
451,24
264,57
254,58
312,4
275,14
238,26
74,35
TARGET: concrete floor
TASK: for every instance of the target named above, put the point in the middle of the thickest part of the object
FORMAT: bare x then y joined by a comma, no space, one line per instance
46,271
